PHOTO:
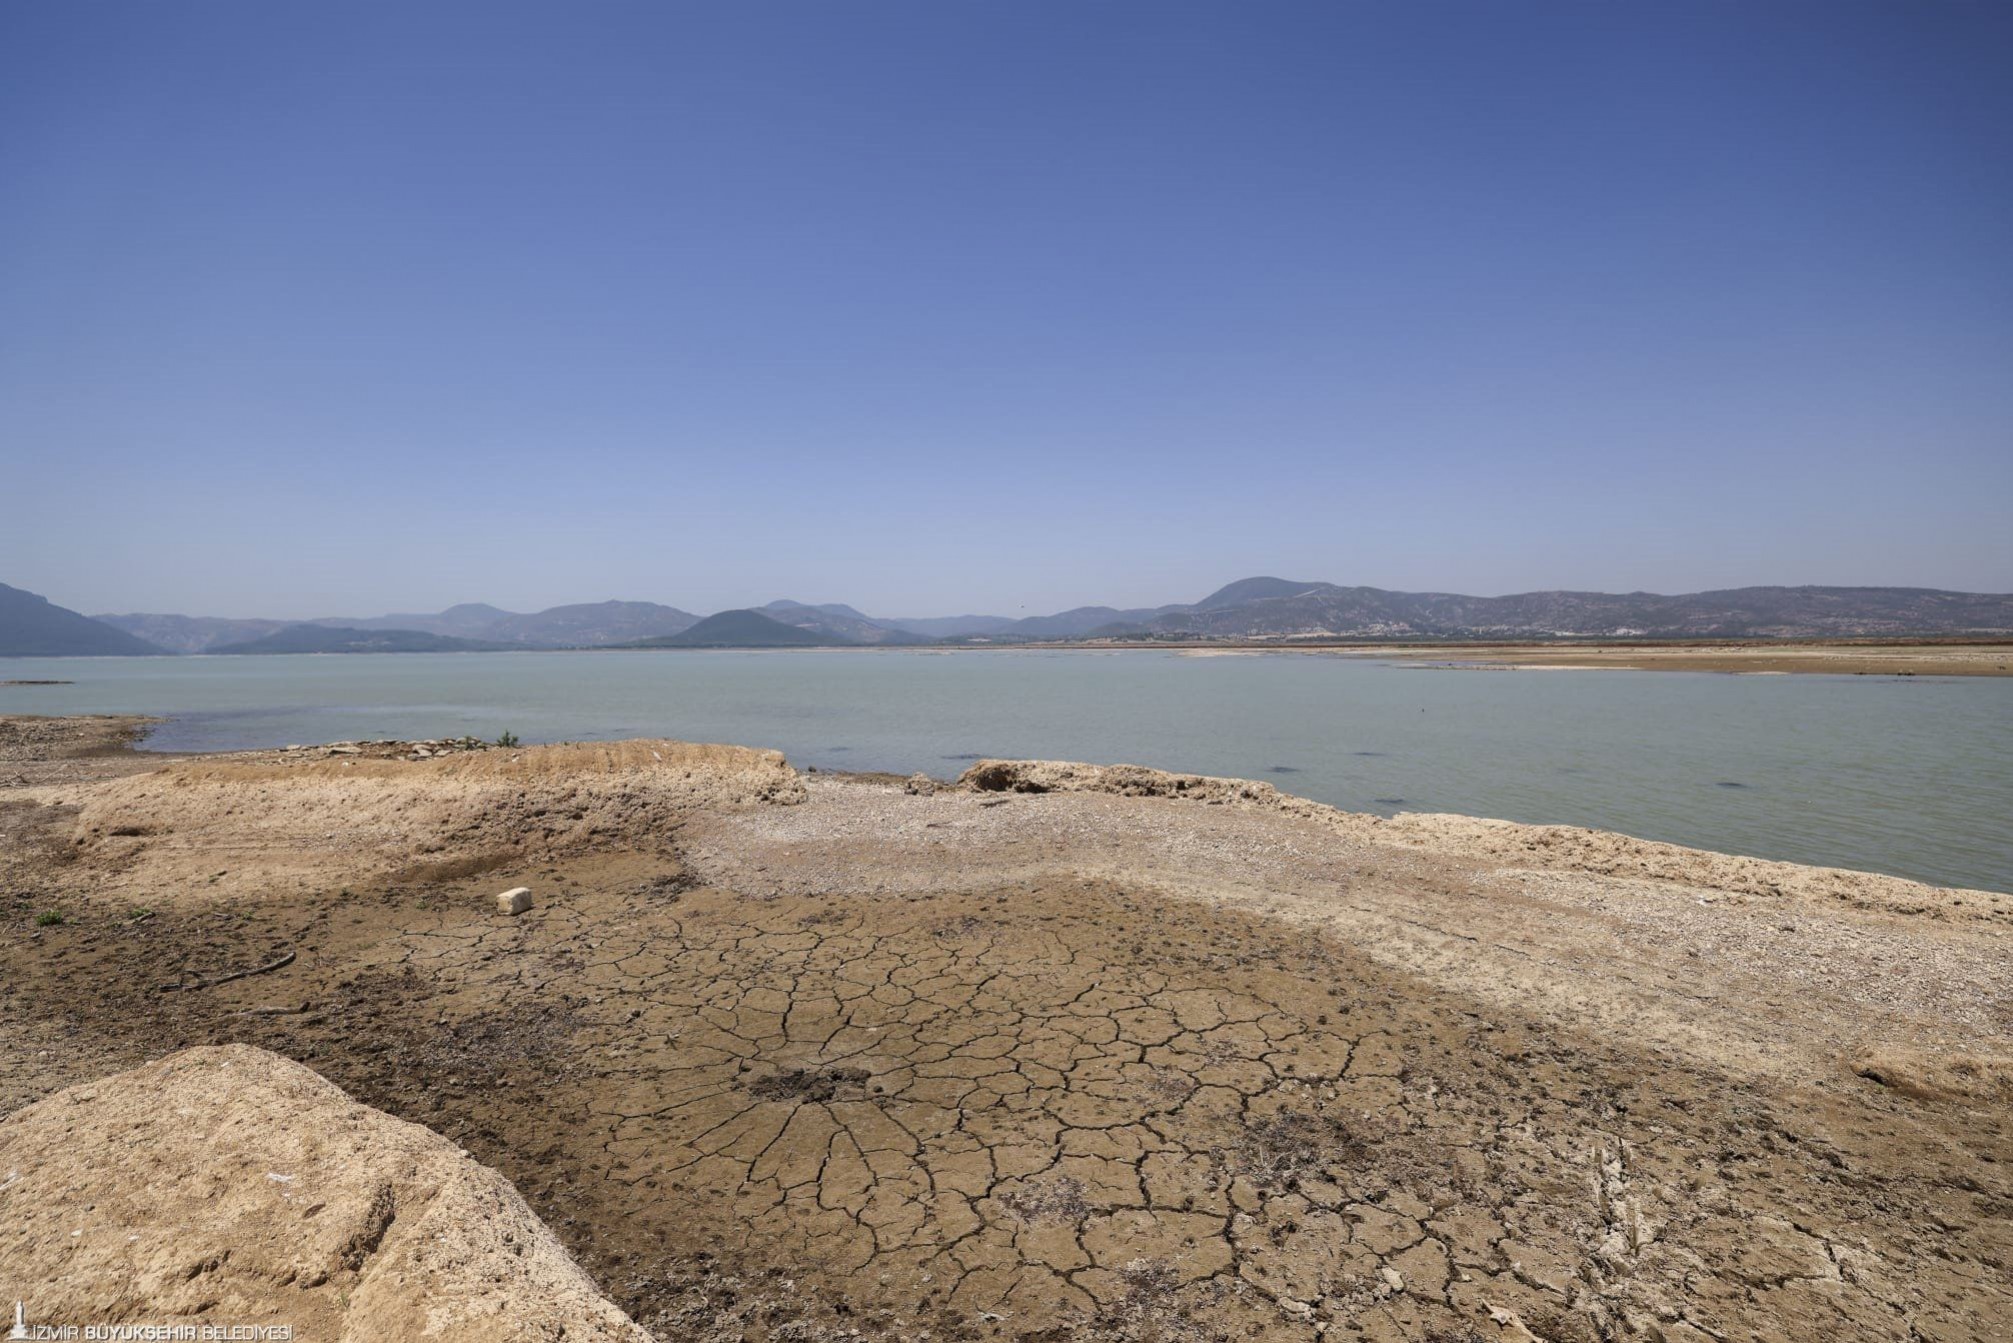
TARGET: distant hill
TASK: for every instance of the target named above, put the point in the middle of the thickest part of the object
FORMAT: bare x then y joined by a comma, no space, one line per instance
469,620
590,625
839,622
1268,608
742,629
586,625
1260,608
1328,610
1253,590
191,634
336,639
949,627
32,626
1082,620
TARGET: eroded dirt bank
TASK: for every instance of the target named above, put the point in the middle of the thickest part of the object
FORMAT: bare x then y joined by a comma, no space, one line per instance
1076,1064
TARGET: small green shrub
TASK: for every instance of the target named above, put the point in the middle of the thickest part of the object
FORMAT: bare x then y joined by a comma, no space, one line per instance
48,918
507,739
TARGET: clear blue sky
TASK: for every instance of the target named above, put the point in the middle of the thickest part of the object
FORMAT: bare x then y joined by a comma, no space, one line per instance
344,308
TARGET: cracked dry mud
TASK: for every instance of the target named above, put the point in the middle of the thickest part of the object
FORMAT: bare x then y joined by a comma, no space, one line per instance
758,1097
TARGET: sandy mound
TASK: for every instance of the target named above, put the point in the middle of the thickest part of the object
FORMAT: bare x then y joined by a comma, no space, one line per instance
257,821
1499,843
231,1186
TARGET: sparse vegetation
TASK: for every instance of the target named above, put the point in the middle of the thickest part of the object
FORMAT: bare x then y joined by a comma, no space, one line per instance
507,740
49,918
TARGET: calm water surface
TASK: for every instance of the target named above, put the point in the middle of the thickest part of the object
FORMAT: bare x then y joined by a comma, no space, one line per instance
1912,776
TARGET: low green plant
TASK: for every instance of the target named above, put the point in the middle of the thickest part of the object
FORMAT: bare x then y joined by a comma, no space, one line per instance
48,918
507,739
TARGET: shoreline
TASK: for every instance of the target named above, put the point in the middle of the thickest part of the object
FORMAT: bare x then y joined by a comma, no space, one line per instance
101,746
1899,657
115,746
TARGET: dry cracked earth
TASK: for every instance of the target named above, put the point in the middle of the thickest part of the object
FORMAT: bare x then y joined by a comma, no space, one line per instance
799,1086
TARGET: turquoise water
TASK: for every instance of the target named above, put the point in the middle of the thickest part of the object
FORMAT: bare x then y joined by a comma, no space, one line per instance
1912,776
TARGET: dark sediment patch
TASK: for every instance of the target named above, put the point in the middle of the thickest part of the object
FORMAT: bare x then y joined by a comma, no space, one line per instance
811,1084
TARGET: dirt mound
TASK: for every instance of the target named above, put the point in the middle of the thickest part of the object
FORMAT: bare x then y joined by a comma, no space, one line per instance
228,1185
290,817
1505,843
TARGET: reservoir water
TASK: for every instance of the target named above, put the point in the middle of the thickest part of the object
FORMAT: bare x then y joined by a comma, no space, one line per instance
1911,776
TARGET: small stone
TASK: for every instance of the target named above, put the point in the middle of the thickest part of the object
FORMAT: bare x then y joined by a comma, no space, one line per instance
514,901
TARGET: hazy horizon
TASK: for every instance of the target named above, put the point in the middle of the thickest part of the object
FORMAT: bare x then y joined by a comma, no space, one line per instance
1017,610
1002,310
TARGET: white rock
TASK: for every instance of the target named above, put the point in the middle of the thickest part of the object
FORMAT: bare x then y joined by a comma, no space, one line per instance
514,901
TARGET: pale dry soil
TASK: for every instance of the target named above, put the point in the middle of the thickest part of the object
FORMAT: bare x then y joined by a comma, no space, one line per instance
1870,658
1037,1059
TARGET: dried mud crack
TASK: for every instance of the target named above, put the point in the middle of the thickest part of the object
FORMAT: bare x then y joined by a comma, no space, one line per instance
1070,1111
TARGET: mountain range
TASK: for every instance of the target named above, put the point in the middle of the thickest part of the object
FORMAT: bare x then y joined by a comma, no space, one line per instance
32,626
1264,609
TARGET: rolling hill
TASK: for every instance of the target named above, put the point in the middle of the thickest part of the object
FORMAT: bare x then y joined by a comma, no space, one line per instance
590,624
583,625
34,626
839,622
742,629
191,634
1261,608
336,639
1284,609
1317,610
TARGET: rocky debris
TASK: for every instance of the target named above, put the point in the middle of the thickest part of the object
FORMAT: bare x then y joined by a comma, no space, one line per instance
514,901
40,751
920,785
387,749
1060,776
228,1185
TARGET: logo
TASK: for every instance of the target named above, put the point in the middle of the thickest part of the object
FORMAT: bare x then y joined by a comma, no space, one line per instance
145,1333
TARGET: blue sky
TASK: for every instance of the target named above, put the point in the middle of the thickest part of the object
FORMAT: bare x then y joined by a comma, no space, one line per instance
945,307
